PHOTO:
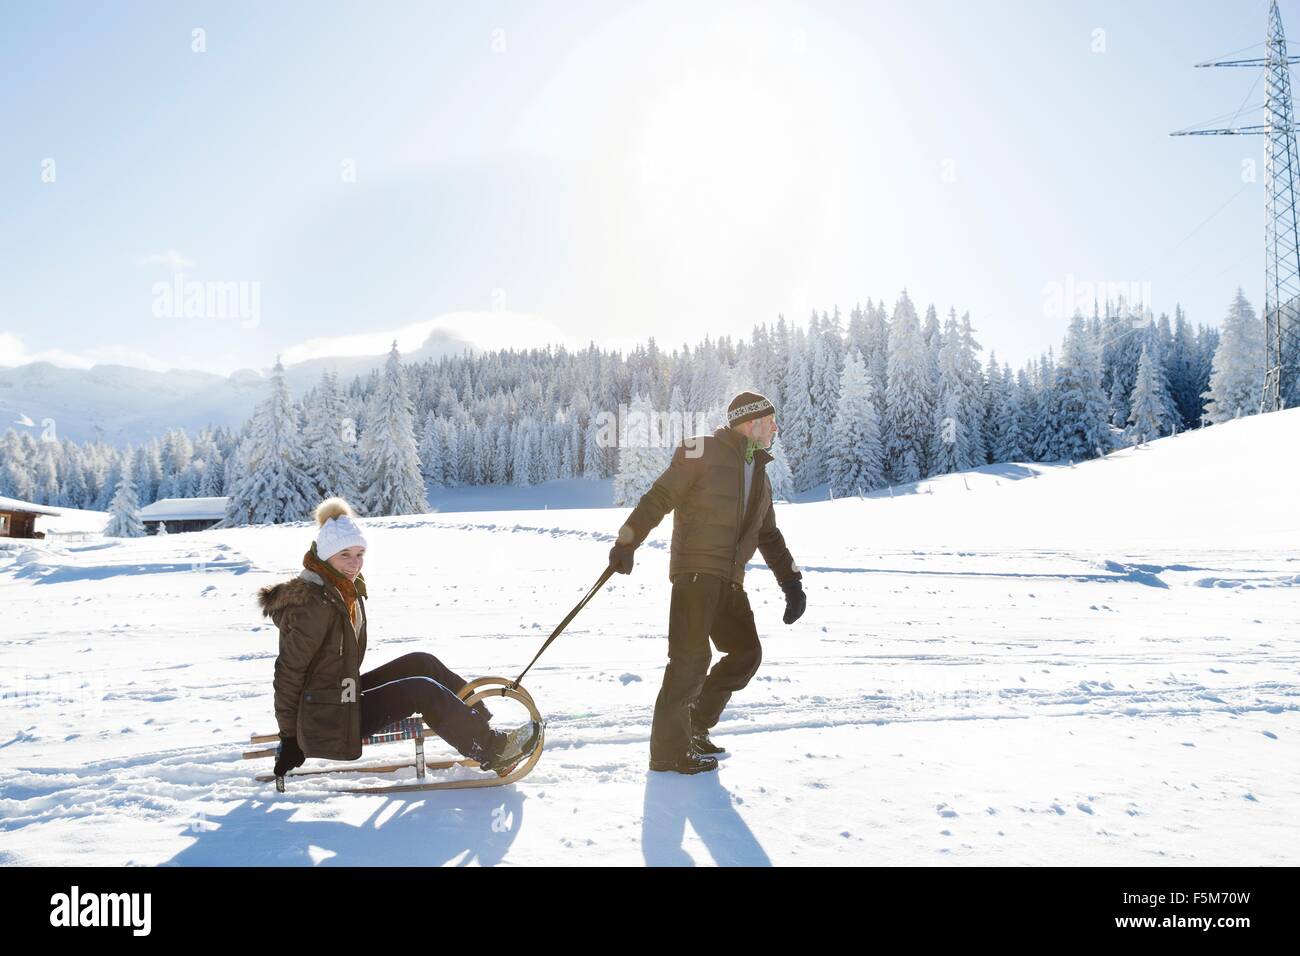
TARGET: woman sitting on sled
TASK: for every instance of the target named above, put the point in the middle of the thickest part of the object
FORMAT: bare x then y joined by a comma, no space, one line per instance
323,703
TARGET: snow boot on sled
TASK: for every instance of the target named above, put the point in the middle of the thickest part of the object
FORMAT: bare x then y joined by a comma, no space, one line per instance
512,747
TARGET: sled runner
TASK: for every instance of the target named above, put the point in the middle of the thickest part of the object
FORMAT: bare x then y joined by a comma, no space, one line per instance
413,728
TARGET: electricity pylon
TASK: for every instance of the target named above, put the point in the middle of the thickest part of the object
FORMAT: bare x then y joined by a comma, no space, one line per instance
1281,225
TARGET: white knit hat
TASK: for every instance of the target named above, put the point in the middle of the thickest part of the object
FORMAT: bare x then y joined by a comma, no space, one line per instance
336,529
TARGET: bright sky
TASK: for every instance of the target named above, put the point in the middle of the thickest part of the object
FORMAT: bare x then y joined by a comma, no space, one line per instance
609,170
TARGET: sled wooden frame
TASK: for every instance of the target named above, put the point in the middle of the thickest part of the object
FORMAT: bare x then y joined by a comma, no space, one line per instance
413,728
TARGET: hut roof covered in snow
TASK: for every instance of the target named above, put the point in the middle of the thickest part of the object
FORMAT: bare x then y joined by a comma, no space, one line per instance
15,504
184,509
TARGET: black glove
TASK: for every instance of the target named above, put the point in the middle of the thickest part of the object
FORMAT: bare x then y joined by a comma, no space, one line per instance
288,755
620,558
795,601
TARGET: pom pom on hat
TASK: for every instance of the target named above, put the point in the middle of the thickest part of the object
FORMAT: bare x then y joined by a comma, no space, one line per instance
332,508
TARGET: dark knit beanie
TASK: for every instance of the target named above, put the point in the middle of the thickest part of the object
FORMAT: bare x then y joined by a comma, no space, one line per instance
747,406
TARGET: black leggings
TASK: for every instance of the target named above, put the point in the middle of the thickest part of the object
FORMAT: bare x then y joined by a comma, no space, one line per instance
420,683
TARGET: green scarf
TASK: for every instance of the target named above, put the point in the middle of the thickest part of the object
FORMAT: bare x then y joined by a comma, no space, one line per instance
751,446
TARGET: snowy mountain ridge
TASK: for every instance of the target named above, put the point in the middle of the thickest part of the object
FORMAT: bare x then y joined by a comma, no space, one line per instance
121,404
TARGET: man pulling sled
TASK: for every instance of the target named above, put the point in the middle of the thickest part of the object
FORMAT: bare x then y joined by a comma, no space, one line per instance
718,488
717,485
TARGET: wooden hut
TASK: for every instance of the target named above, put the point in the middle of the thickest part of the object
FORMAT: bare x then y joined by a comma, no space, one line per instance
18,518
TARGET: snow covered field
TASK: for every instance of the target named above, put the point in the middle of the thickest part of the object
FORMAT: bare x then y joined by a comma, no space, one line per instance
1022,665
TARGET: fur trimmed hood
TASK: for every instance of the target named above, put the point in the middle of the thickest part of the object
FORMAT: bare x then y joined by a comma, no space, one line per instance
275,599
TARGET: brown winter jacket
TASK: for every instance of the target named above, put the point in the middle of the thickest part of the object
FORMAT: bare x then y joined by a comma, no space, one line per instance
318,672
704,483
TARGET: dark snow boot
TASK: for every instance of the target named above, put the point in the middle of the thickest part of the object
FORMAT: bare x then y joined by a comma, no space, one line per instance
702,745
700,742
690,762
513,747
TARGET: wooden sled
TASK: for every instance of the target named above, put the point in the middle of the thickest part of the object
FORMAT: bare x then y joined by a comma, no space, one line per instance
413,728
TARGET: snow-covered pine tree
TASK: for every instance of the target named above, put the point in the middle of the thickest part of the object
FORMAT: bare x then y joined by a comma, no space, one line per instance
1042,433
1147,406
795,423
146,471
761,363
824,388
1207,343
47,474
1236,381
993,393
431,454
112,474
15,473
570,437
465,466
709,384
859,336
781,350
391,482
20,468
74,491
177,452
501,454
1028,411
488,451
1158,343
956,443
1128,331
973,399
450,452
640,461
272,486
932,336
192,480
778,472
855,460
549,453
1010,444
329,442
948,440
908,410
124,510
521,453
1079,412
479,463
877,357
1114,333
681,420
593,455
1117,403
1182,365
212,485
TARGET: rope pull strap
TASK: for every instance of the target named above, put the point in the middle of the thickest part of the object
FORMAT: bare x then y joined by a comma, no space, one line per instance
600,583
